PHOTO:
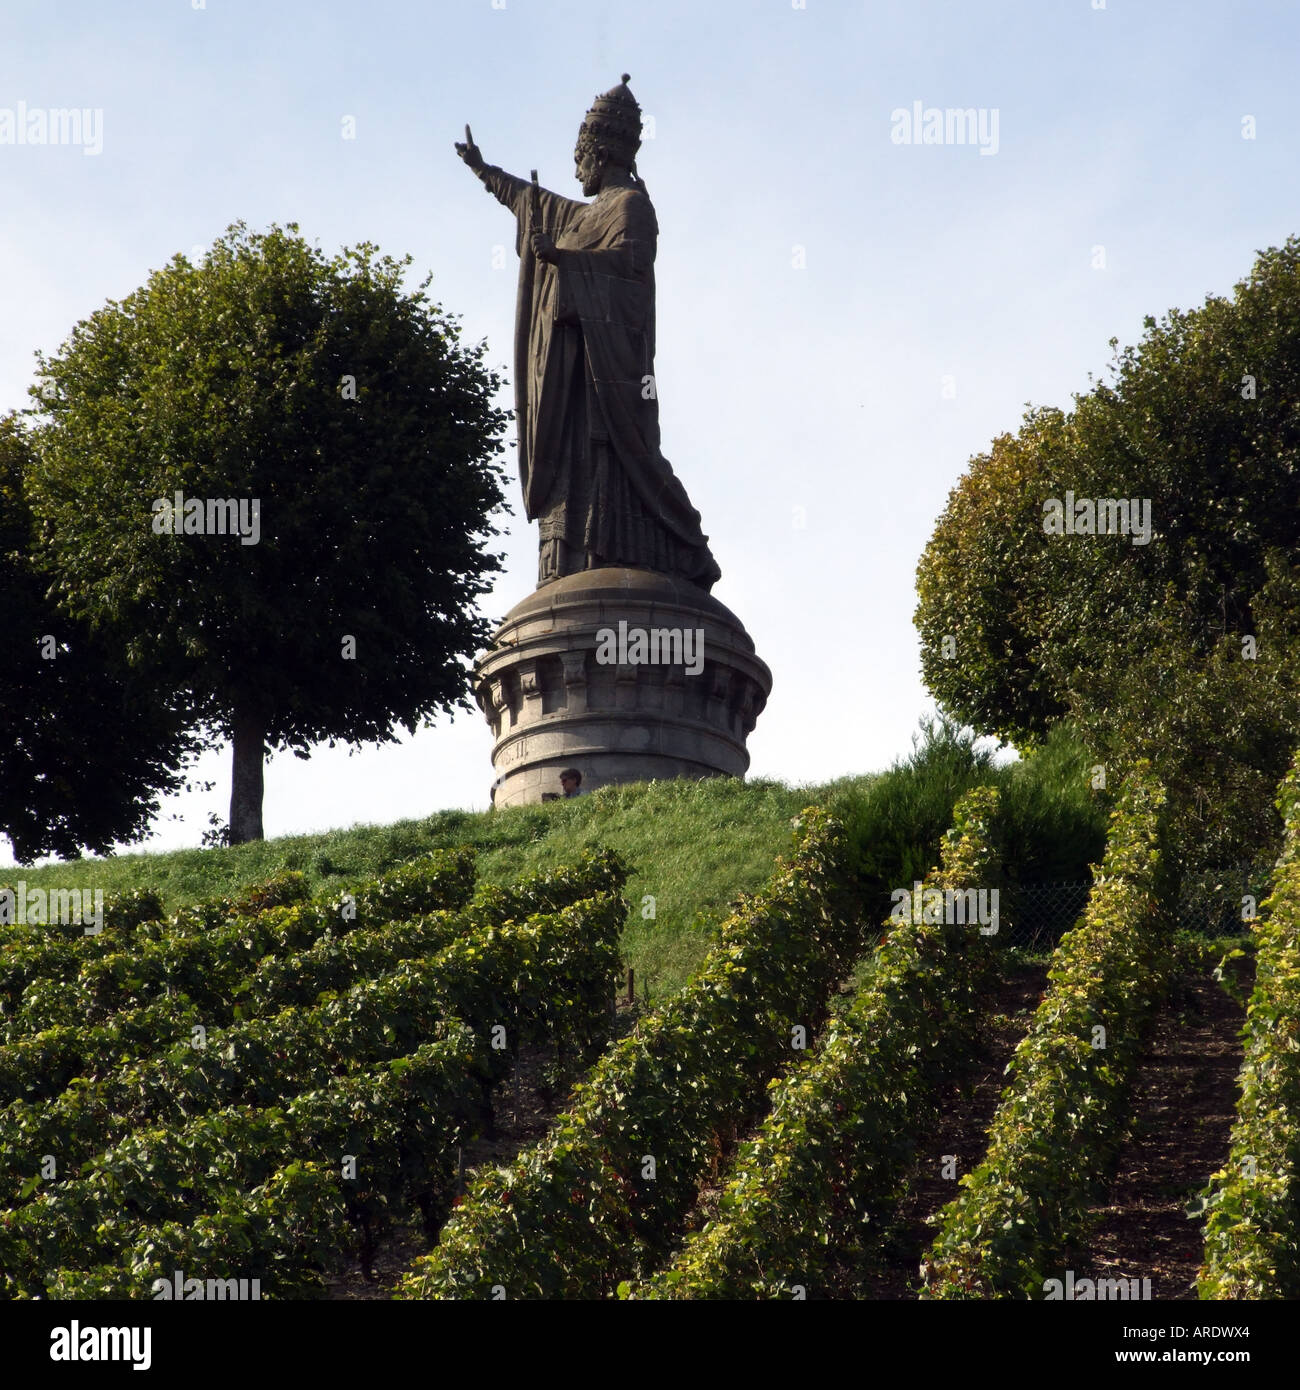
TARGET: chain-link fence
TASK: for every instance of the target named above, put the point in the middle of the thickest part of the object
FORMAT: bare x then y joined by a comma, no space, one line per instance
1034,916
1222,902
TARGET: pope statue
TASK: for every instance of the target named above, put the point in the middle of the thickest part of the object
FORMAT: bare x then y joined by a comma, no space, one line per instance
585,398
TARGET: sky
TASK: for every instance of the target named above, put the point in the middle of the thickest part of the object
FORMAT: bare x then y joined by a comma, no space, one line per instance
845,316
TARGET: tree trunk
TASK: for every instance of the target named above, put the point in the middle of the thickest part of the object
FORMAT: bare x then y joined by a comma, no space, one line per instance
248,755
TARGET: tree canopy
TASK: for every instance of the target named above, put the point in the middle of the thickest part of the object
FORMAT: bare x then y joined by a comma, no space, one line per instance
268,477
85,748
1180,646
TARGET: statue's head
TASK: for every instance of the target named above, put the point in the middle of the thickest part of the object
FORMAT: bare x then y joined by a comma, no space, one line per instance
609,137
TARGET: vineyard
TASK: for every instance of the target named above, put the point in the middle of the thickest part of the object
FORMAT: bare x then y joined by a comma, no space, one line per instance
295,1086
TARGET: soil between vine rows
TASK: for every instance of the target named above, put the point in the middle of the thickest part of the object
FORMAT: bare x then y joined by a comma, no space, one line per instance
1184,1103
962,1131
1183,1106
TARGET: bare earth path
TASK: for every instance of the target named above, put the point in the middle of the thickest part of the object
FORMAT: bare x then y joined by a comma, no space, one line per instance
1184,1101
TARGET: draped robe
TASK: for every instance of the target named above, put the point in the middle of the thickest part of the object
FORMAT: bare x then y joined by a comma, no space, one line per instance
586,406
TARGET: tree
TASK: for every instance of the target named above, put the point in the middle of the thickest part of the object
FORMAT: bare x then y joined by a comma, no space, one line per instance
85,749
1179,646
329,417
979,586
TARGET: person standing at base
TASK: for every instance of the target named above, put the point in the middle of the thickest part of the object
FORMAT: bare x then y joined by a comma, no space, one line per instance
571,781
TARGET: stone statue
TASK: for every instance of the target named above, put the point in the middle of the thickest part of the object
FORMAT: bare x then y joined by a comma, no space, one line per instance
585,398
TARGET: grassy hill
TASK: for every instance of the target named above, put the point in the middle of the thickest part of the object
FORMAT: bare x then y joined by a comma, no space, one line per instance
692,847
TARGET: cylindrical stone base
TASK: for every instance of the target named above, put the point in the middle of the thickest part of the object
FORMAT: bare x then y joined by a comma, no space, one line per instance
624,674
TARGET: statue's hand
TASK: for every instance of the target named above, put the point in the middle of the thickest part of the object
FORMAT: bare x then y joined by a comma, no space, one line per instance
469,151
544,248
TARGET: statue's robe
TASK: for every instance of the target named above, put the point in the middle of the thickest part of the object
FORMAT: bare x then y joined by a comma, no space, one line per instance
587,409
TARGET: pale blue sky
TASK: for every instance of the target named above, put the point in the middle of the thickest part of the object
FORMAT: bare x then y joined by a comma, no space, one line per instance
781,387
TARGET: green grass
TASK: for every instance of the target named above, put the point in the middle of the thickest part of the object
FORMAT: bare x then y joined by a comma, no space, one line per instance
692,847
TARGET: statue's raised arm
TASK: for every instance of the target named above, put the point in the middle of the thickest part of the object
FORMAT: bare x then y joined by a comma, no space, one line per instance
469,151
535,208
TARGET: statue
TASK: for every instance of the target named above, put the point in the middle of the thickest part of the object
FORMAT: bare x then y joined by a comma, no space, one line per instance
585,398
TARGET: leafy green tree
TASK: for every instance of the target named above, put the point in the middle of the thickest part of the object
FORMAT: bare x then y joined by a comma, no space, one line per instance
85,749
358,442
980,584
1183,649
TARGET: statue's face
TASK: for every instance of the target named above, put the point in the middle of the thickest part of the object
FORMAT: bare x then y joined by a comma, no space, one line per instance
589,164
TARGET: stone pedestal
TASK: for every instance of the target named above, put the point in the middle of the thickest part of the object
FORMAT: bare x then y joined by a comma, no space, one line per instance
624,674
